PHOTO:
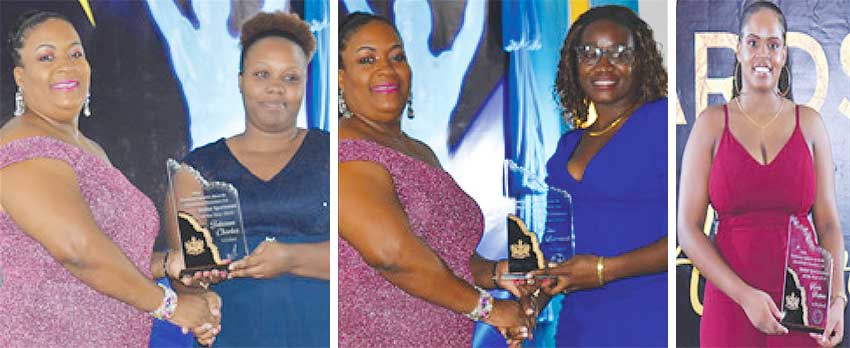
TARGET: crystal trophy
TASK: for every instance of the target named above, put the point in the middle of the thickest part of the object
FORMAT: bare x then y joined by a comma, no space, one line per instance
808,280
209,219
540,222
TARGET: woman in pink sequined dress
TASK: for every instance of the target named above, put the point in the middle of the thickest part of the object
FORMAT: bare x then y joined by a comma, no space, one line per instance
75,235
407,230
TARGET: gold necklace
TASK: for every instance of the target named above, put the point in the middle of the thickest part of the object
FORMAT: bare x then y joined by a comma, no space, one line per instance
740,106
620,118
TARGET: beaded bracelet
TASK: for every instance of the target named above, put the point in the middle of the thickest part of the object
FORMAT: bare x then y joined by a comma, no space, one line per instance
168,306
484,308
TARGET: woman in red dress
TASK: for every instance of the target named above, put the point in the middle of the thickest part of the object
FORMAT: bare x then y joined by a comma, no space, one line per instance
758,160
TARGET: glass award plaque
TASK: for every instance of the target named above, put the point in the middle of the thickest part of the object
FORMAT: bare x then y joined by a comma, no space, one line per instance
539,223
808,280
209,219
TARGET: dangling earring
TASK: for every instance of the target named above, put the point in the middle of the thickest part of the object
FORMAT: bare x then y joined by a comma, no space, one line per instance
86,109
410,113
20,107
736,88
343,108
787,90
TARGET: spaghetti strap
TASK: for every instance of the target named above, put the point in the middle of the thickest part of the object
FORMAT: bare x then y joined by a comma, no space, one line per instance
725,116
797,112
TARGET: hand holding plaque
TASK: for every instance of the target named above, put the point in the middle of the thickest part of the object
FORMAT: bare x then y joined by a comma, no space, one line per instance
537,207
808,280
209,219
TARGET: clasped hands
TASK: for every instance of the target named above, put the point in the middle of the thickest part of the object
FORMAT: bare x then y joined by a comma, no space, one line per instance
534,292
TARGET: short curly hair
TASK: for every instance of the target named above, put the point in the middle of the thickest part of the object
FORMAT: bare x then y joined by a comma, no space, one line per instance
278,24
649,66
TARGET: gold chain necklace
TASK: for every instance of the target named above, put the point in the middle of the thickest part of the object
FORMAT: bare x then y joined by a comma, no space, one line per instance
620,118
740,106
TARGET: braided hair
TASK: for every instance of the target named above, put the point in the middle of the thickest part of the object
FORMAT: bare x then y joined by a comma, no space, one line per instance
26,23
353,22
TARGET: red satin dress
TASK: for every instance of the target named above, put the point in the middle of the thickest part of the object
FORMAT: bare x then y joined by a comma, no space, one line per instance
754,203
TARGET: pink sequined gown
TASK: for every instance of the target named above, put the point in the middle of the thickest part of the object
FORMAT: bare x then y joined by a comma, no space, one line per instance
372,311
41,303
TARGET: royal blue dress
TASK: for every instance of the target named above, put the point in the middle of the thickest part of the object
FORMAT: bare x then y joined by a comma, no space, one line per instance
292,207
620,205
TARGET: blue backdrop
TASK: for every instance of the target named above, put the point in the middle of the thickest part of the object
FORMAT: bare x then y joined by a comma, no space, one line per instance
483,91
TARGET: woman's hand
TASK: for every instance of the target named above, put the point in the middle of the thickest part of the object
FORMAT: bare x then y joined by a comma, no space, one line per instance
206,333
268,260
834,330
200,279
762,312
517,287
577,273
509,318
193,311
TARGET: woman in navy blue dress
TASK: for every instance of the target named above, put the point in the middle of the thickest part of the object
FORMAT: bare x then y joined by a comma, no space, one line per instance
277,296
616,170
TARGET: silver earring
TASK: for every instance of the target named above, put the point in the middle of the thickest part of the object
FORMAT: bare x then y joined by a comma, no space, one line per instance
343,109
20,107
410,112
86,109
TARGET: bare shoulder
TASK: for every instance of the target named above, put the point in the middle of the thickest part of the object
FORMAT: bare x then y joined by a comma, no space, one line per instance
811,124
710,122
359,180
809,117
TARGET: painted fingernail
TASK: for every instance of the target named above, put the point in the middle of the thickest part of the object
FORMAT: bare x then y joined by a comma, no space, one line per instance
553,264
530,281
529,311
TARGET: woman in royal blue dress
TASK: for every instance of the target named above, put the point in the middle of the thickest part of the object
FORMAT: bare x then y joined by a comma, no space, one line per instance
616,170
278,296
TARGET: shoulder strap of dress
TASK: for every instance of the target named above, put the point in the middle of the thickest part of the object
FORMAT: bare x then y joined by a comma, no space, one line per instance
797,112
725,115
365,150
25,149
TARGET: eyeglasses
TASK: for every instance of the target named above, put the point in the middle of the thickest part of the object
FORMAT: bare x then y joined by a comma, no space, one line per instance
619,55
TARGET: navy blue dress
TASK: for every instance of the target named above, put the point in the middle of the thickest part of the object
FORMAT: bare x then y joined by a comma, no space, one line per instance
620,205
292,207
